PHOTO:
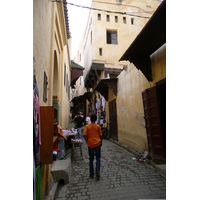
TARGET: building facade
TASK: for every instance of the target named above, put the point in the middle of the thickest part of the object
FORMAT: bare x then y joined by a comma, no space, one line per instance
107,36
51,66
142,124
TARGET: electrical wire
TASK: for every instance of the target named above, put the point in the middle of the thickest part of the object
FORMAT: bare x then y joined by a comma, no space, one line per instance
123,5
97,9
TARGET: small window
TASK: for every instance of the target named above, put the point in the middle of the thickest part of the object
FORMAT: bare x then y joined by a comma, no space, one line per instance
80,57
100,52
67,82
116,19
111,37
107,18
132,21
64,72
91,37
99,16
124,20
45,88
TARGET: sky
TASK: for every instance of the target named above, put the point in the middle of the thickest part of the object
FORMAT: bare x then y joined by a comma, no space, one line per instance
77,22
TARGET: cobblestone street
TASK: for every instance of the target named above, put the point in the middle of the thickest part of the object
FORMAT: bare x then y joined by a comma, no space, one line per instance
121,177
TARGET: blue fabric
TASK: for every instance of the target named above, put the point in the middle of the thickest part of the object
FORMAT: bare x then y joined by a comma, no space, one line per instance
97,152
35,86
80,132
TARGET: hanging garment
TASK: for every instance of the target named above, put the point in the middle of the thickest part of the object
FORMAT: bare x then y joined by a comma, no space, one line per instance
36,108
35,87
98,104
103,103
34,141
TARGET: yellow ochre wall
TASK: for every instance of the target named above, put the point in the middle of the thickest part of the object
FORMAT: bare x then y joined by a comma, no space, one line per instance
51,51
130,112
95,32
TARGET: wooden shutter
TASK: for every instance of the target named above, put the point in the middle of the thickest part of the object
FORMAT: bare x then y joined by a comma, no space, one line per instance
47,129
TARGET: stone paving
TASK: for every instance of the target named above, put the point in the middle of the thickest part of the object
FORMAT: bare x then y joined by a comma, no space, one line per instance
121,177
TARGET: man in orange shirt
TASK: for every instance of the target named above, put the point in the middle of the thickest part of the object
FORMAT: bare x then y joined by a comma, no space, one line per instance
93,136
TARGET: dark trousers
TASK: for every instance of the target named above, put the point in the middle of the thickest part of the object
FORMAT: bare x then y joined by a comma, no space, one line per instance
95,151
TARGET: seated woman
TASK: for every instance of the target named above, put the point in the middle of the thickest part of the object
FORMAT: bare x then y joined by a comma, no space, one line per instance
104,128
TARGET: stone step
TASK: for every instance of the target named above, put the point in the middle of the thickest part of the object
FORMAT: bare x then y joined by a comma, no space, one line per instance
61,170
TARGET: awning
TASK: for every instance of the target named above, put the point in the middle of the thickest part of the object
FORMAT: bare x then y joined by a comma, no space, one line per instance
105,84
151,37
77,71
93,75
86,95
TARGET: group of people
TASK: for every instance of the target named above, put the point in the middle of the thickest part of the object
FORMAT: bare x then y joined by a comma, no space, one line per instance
92,133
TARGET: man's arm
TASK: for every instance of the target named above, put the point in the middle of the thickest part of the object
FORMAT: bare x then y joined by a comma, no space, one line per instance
60,132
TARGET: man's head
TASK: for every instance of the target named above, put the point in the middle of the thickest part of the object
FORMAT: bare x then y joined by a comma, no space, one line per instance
93,118
90,113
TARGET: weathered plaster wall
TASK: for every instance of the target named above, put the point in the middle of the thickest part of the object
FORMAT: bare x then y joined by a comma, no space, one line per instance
49,38
65,98
130,114
42,11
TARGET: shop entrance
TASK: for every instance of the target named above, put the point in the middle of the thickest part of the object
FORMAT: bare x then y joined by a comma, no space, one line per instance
113,119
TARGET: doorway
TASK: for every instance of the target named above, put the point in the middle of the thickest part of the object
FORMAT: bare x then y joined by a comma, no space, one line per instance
113,119
154,103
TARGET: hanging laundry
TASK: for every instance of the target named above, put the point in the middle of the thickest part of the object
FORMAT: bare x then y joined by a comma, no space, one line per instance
103,102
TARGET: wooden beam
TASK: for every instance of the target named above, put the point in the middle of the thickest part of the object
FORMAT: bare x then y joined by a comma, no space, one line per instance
92,87
96,74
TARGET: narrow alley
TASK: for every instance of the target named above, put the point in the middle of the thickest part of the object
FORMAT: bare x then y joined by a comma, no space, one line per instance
121,177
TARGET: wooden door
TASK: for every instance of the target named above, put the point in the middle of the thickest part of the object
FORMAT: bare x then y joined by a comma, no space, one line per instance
47,130
153,125
113,119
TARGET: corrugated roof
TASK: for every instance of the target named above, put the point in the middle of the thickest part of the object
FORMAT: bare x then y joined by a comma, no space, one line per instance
75,65
66,20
